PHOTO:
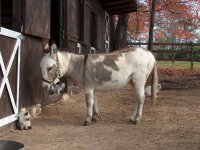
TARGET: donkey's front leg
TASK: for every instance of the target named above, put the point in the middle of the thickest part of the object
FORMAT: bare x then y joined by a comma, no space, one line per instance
89,103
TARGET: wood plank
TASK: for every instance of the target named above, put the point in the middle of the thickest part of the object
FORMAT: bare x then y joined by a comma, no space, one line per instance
121,11
173,51
87,11
31,91
37,18
115,4
72,19
114,1
120,7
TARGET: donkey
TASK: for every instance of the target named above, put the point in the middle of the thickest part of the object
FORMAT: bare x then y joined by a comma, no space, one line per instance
108,71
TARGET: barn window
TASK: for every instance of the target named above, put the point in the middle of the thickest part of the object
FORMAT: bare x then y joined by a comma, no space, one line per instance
93,32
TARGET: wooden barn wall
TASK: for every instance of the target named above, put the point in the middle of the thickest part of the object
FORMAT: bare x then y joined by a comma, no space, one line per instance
7,45
31,91
72,25
98,9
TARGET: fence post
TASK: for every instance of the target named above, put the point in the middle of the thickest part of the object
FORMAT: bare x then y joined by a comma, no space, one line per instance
139,43
173,54
192,57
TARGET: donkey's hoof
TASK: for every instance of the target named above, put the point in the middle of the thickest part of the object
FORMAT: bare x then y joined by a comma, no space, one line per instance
135,122
87,123
95,118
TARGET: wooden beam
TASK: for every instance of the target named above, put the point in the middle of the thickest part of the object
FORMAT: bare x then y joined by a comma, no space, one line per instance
121,11
113,1
121,7
115,4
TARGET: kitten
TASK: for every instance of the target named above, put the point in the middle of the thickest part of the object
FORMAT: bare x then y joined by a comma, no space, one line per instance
147,90
24,121
58,88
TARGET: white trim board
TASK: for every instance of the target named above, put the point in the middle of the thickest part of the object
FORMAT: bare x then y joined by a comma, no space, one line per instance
5,82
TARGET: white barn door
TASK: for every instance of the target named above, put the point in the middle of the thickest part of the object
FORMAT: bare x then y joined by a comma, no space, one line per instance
5,69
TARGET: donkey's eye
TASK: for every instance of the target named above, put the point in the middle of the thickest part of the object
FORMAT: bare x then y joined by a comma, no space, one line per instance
49,69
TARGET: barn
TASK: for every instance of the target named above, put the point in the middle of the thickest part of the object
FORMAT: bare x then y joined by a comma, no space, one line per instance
79,26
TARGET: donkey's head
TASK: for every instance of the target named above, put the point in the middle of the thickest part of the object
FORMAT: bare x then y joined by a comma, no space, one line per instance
50,66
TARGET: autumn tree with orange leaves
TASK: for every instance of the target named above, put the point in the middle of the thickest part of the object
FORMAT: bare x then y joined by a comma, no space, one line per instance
175,21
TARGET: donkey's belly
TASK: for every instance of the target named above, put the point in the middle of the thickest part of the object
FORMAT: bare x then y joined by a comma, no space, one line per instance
112,84
112,79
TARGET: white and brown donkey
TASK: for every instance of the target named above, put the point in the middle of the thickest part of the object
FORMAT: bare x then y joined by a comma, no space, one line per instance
95,72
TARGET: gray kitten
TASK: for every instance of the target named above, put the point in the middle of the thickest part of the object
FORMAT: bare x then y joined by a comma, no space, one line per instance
147,90
24,122
56,89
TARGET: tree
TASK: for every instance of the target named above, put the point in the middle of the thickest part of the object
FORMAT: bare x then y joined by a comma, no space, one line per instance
150,44
179,19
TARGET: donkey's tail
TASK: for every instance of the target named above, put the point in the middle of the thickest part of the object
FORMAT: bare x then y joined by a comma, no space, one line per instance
154,84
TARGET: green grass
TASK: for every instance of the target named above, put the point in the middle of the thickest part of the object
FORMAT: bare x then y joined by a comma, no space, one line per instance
178,64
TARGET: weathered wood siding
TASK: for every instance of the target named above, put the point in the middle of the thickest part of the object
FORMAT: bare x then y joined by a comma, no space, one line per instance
31,91
37,23
72,20
73,23
87,25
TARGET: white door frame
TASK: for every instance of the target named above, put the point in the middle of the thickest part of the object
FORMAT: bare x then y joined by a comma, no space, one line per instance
5,82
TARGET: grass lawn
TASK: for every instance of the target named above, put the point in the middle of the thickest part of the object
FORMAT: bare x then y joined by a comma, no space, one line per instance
178,64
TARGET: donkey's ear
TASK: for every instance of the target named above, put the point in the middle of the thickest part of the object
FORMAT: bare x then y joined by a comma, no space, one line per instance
54,49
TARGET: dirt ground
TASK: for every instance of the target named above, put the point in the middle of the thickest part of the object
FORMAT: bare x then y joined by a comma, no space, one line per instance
174,123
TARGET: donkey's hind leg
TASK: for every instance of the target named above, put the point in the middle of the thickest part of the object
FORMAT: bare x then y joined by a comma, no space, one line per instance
95,116
139,95
89,103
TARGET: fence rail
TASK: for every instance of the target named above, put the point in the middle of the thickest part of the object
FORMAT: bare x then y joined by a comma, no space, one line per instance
189,51
164,44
